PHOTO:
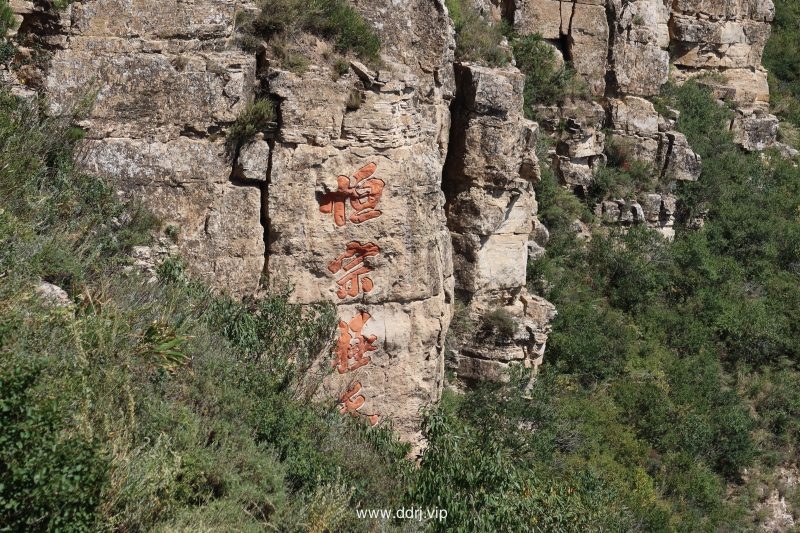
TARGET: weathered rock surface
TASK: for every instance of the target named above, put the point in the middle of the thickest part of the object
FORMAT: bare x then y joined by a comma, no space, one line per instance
342,202
488,180
391,191
354,211
728,39
164,84
622,50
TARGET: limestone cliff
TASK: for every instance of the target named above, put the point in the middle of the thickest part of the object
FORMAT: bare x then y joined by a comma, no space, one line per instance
625,51
389,191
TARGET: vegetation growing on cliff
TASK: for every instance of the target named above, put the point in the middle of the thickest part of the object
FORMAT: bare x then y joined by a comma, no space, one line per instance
153,406
679,343
280,21
477,39
548,81
257,117
783,64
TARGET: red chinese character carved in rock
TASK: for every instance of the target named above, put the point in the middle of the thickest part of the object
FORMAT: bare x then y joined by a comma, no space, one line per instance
352,355
351,262
352,401
362,190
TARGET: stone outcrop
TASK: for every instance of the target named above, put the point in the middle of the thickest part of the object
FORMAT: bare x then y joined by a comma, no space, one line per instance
728,39
354,211
340,200
579,27
489,177
397,192
622,51
165,84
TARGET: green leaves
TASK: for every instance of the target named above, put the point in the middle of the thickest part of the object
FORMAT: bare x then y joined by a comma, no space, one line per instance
334,20
477,39
51,477
256,118
547,82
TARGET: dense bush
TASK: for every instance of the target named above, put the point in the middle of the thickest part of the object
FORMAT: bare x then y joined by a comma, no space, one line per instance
500,324
477,40
488,474
335,20
51,480
6,18
684,343
784,67
547,82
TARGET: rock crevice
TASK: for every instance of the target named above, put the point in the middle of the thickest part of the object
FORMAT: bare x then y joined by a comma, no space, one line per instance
399,192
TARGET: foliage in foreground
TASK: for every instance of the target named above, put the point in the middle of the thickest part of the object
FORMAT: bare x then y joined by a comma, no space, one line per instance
152,407
254,119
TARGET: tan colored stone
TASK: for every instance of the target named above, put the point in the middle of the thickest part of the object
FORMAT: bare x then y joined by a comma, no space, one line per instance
754,131
253,161
634,115
147,94
491,208
703,43
366,181
541,16
588,38
640,69
185,183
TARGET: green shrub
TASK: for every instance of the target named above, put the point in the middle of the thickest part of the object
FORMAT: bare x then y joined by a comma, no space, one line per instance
7,21
51,478
341,67
257,117
476,39
784,67
702,120
478,467
500,324
558,207
546,83
335,20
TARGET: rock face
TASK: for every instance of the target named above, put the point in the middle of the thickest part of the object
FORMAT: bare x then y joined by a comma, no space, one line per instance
342,202
489,177
166,83
400,192
354,211
728,38
624,51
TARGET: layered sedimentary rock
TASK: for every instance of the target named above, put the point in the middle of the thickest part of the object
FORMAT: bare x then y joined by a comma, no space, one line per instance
629,44
728,38
164,84
354,211
579,27
340,201
489,177
373,187
623,48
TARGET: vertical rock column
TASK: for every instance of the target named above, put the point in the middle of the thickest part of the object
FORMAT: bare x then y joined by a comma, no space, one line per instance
489,177
355,212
